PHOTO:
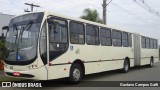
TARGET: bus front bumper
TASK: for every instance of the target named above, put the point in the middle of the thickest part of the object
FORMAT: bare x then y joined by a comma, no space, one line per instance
36,74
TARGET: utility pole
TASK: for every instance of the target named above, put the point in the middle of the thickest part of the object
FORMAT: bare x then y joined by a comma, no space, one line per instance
104,5
32,6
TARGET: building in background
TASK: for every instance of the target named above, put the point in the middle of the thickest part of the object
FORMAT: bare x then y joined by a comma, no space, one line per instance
4,21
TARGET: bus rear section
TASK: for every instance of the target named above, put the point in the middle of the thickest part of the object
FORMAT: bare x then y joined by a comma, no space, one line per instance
145,50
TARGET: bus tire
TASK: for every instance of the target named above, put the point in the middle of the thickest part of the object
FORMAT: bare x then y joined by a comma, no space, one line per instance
75,73
126,66
151,63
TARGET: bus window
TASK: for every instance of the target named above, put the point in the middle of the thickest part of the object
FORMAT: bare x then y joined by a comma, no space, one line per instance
130,39
105,37
125,39
143,42
92,35
117,38
147,43
151,44
76,33
155,44
58,38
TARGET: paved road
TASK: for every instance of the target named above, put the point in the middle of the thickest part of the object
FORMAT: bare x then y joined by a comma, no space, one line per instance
135,74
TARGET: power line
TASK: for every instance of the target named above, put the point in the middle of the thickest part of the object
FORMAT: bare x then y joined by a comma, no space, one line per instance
135,16
139,20
148,8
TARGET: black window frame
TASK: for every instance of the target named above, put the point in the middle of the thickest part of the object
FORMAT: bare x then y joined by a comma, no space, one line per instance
126,39
143,42
107,29
147,43
130,39
72,21
116,38
155,41
151,43
92,35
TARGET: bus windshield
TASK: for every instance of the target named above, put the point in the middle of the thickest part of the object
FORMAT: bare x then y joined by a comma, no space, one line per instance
22,38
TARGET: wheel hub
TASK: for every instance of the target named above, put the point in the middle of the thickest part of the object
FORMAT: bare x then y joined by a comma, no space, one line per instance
76,74
126,66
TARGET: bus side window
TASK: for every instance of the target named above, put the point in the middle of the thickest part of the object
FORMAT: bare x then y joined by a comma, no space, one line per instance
143,42
155,44
130,39
92,35
76,32
151,43
117,38
125,39
105,37
58,37
147,43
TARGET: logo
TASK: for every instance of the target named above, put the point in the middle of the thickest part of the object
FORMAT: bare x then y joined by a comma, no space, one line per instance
23,84
6,84
71,48
19,57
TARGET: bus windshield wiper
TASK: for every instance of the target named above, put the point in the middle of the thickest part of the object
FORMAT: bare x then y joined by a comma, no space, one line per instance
26,28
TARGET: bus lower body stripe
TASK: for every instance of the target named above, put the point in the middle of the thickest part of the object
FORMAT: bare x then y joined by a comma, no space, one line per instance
90,61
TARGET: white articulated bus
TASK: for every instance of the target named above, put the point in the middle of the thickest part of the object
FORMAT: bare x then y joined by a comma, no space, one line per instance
45,45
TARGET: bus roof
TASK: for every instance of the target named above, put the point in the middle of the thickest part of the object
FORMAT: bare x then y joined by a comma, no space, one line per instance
46,13
85,21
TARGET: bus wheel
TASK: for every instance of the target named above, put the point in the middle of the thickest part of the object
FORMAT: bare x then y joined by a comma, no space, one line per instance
125,66
75,73
151,62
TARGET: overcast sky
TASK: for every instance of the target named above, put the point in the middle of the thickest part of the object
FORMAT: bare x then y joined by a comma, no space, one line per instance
126,14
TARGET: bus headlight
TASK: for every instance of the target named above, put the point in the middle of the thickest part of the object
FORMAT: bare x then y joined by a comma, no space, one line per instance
11,67
6,66
29,67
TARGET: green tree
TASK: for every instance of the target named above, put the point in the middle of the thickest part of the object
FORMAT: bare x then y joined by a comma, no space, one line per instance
91,15
1,47
1,52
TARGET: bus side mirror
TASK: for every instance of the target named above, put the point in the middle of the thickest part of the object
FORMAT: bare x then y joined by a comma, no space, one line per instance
4,28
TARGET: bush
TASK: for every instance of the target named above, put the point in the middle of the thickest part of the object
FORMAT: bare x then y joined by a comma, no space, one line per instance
1,48
1,52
